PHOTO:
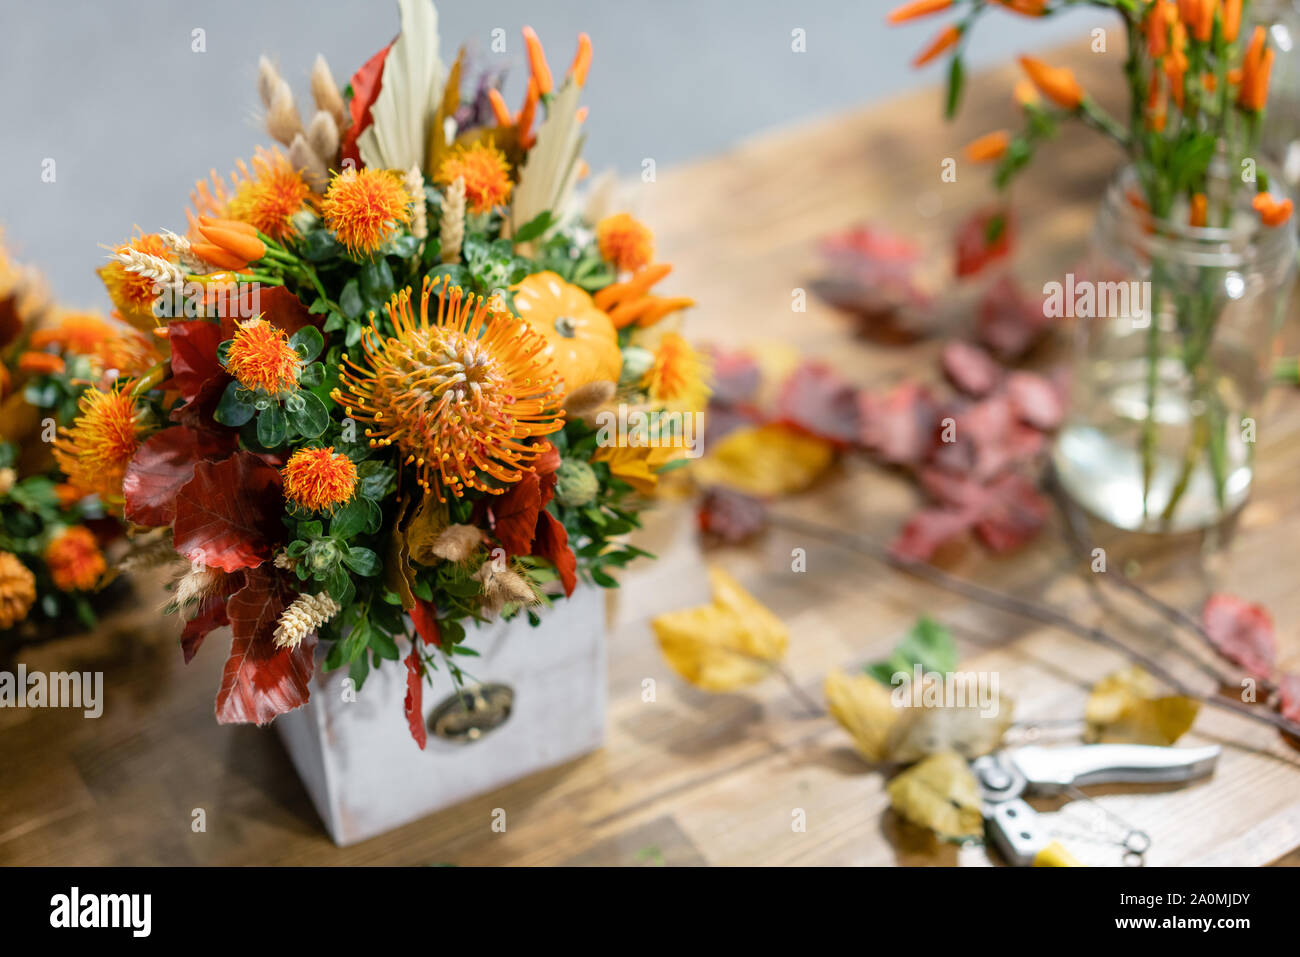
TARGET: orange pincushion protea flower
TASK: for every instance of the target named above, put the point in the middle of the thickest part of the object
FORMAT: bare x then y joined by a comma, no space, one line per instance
460,392
260,357
485,171
269,198
363,208
678,375
106,433
17,590
317,479
625,242
74,559
134,293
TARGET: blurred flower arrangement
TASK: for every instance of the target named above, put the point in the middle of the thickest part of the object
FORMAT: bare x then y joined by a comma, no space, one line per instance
1193,217
60,487
387,346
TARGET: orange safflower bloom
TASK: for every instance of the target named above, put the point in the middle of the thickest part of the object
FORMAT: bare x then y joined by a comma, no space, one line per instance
1057,83
41,363
485,171
460,390
917,9
1231,20
260,357
365,207
17,590
268,199
679,374
989,147
95,451
1199,210
319,480
946,40
131,292
625,242
74,559
537,61
1272,212
1255,69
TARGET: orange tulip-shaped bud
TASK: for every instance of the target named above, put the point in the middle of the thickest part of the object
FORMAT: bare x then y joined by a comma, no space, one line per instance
1231,20
1057,83
989,147
581,60
1272,212
235,239
946,40
1198,211
917,9
537,61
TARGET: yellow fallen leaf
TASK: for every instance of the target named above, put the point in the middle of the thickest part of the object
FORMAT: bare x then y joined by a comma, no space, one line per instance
940,793
968,730
724,645
1126,707
766,461
862,706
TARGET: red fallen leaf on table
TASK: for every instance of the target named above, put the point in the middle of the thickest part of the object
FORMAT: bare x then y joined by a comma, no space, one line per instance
413,705
1035,400
899,425
194,354
514,515
260,680
552,542
1242,632
736,377
212,615
365,88
815,399
1006,513
275,304
873,277
970,368
929,530
730,516
228,514
873,247
1289,687
1007,322
987,438
163,464
982,238
425,618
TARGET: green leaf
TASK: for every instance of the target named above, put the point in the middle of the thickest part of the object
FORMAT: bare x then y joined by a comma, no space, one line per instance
312,374
534,227
233,409
350,519
272,427
319,245
928,644
350,300
362,561
377,281
956,83
312,419
307,342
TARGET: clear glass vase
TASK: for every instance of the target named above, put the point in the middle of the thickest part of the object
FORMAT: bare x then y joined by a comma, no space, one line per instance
1174,329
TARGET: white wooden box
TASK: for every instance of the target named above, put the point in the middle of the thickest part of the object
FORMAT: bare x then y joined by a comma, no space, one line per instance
365,773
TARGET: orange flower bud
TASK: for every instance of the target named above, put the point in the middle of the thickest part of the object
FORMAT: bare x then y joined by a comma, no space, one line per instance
1156,26
1255,69
917,9
946,40
500,112
1231,20
989,147
1199,208
1056,83
1026,8
537,61
1271,211
581,60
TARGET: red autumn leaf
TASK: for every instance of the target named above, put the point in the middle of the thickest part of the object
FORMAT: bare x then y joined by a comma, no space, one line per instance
194,354
163,464
197,413
987,439
275,304
212,615
1288,687
735,378
899,425
970,368
260,680
365,88
546,465
1014,514
1007,322
1242,632
1035,400
815,399
872,277
413,706
927,531
1005,513
553,543
228,514
730,516
514,515
425,618
982,238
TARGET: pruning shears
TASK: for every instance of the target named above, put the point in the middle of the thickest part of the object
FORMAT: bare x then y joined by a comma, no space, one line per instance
1022,835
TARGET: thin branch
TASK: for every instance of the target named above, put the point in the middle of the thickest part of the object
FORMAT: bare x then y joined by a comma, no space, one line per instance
1025,608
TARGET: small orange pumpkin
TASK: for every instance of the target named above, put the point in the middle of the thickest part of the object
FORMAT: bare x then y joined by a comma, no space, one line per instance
581,340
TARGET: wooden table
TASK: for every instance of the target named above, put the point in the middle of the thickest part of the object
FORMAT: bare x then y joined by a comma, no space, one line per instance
694,778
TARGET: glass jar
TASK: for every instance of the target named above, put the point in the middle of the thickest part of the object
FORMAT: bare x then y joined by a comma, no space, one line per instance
1174,328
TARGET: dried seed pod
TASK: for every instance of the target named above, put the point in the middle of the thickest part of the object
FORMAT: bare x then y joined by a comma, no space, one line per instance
323,137
304,158
326,92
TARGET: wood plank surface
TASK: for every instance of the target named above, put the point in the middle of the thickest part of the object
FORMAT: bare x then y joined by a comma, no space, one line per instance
694,778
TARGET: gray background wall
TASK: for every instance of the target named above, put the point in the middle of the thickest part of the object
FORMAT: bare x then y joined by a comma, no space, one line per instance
112,91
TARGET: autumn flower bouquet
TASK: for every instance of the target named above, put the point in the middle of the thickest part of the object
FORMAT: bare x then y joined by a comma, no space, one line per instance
392,351
60,487
1193,257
